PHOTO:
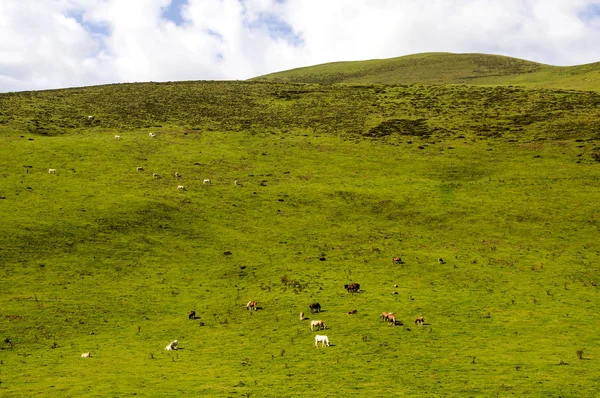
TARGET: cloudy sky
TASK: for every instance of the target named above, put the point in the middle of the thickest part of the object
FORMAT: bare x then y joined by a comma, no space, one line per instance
66,43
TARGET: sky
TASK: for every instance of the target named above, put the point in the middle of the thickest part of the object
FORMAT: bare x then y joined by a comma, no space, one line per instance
47,44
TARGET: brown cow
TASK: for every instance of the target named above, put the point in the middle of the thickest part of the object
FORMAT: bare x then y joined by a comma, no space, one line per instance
319,325
252,305
420,320
352,287
397,260
389,317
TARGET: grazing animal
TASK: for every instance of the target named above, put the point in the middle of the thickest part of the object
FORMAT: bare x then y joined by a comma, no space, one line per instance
172,346
319,325
420,320
252,305
397,260
384,314
177,175
302,316
236,183
389,317
351,312
152,135
181,188
315,307
206,181
155,175
321,339
352,287
441,261
51,171
140,168
192,315
90,117
117,137
86,355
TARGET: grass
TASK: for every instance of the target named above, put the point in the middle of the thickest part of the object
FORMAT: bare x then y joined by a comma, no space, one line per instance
446,68
336,180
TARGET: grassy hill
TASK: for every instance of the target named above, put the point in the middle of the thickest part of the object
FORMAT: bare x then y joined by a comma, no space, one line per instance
500,182
446,68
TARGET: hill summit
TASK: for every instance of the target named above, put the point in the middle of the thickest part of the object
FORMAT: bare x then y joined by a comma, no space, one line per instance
445,68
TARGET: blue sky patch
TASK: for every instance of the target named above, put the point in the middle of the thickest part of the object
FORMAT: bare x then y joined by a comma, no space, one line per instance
94,29
277,28
172,12
589,13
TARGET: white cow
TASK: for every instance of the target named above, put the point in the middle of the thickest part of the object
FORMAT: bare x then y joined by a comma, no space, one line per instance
321,339
51,171
181,188
206,181
172,345
90,117
317,325
117,137
152,135
177,175
155,175
86,355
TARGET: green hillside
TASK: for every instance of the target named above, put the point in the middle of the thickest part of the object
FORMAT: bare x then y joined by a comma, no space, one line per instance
501,183
446,68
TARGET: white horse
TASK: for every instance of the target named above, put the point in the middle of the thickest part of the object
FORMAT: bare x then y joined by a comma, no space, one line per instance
321,339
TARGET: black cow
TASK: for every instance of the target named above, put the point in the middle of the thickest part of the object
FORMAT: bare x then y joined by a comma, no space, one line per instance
315,307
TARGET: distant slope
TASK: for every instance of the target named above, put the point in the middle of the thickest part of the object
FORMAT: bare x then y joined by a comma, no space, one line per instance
446,68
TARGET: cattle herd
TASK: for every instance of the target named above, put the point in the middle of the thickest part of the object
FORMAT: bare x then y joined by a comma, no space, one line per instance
318,324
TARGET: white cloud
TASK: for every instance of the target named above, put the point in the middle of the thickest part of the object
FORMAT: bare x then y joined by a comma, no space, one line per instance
62,43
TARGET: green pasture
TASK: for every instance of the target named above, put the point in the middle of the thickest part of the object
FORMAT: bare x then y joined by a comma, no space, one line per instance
502,183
